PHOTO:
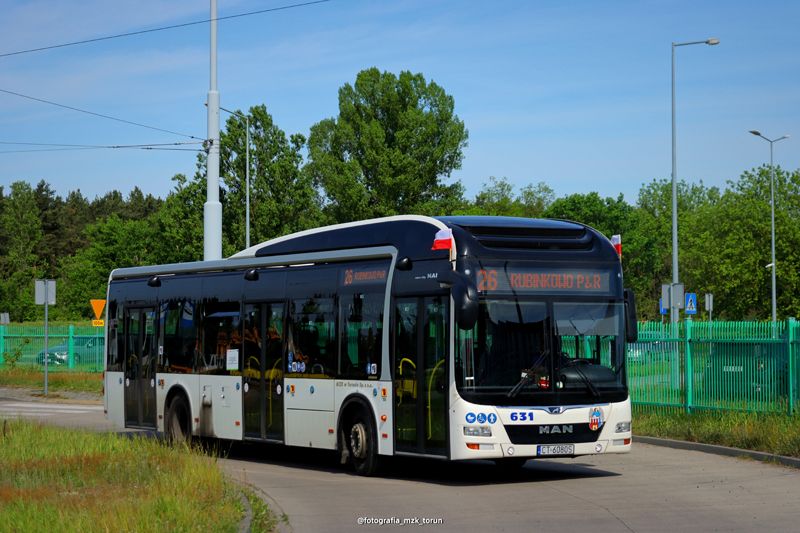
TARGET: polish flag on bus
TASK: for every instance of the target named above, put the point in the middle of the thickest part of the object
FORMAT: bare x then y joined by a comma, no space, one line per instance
616,240
443,239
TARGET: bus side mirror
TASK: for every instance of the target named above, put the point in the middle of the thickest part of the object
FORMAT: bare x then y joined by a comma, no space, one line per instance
465,296
631,327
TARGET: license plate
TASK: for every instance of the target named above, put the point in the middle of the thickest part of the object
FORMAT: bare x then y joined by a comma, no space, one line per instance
556,449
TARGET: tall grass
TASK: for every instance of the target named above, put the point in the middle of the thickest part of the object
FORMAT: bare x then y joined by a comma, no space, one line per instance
771,433
33,378
54,479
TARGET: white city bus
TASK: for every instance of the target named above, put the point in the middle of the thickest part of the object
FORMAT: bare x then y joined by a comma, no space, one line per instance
451,337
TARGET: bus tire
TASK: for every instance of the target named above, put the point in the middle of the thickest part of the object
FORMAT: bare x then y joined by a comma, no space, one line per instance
177,425
362,444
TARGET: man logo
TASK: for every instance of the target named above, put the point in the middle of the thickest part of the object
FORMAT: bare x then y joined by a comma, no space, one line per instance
558,429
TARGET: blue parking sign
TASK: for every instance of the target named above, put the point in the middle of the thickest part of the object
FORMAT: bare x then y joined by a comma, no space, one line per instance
691,303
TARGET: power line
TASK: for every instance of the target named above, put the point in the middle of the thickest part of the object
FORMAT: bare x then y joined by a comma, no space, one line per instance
100,145
53,147
163,28
109,117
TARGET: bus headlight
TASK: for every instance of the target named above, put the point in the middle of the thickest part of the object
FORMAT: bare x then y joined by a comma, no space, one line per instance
479,431
623,427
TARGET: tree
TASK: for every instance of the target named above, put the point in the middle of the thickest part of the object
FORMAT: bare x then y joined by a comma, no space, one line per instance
395,140
283,199
20,224
498,198
114,243
728,246
180,222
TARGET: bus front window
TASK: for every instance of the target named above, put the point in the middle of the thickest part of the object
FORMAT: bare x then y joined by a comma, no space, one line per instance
540,352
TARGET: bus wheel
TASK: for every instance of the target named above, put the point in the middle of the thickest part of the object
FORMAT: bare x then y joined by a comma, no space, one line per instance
178,422
362,445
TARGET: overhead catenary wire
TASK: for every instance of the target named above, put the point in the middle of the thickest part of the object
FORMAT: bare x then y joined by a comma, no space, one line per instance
55,147
162,28
101,115
70,145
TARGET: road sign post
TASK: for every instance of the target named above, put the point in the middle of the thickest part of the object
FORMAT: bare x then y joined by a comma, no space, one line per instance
45,294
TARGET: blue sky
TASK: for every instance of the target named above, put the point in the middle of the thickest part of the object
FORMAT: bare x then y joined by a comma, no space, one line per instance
575,94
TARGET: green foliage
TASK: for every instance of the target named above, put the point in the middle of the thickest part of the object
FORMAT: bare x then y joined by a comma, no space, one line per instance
394,141
283,199
497,198
21,227
115,243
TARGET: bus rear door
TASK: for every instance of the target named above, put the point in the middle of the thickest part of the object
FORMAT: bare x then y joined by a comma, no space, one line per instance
140,368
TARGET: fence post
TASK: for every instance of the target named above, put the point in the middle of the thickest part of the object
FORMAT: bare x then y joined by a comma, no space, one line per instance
71,347
689,379
2,344
790,353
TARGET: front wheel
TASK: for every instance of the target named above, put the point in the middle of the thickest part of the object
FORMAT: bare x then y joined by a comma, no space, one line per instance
362,445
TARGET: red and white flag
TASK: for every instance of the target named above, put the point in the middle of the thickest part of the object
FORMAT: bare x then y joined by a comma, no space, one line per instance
616,240
443,239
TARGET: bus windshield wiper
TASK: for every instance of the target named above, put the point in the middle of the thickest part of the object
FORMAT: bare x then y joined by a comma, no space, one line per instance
575,364
527,376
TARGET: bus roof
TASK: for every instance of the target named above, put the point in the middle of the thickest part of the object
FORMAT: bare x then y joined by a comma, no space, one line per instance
413,235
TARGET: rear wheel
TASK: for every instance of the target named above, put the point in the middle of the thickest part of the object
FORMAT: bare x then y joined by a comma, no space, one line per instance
178,421
362,445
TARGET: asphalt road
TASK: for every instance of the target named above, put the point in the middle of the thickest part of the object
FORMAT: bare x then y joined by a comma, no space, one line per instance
651,489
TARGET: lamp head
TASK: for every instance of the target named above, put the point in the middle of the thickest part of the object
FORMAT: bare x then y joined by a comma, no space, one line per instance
756,133
712,41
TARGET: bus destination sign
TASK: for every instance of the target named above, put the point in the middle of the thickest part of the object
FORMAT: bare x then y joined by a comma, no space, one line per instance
541,280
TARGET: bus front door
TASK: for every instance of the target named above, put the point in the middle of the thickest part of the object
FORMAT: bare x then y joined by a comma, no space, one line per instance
420,374
263,371
140,368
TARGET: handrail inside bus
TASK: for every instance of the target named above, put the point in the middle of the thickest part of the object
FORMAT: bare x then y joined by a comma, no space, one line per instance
430,386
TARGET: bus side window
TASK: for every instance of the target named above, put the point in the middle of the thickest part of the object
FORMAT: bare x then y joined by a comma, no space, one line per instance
361,335
222,349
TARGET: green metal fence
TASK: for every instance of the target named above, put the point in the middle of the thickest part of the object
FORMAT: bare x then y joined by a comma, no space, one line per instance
747,366
70,347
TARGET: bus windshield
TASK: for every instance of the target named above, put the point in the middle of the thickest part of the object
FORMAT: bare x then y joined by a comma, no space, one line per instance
539,352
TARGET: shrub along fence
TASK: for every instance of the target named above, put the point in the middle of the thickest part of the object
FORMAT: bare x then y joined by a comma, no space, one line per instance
747,366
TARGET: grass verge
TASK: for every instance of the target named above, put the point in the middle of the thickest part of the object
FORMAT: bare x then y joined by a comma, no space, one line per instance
771,433
55,479
21,376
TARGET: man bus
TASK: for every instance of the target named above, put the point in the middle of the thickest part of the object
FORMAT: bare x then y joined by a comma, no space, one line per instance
452,337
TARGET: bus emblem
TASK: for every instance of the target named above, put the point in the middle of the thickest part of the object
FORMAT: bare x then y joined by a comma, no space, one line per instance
595,419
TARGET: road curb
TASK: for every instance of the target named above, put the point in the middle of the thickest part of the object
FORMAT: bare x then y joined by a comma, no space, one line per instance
281,526
715,449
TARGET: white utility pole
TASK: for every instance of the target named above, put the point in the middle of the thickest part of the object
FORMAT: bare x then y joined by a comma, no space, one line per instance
212,210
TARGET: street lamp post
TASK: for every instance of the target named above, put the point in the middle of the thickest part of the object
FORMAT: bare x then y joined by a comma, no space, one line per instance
774,265
675,278
246,175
